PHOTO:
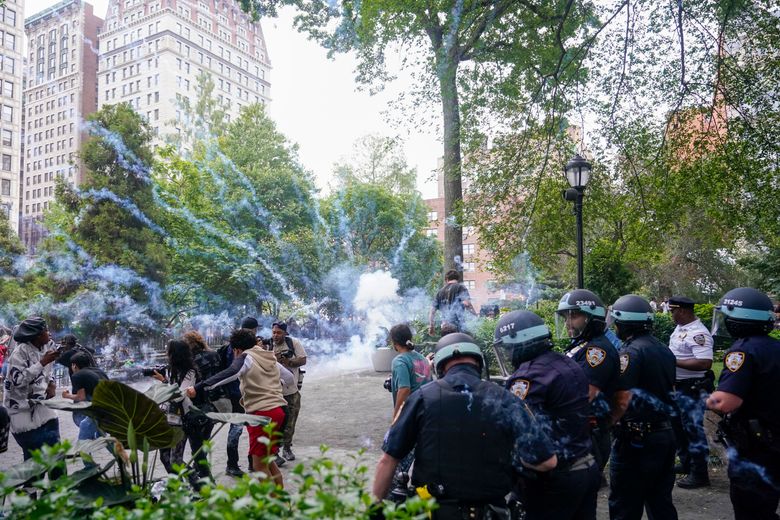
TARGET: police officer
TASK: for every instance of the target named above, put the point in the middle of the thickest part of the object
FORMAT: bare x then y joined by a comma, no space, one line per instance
470,437
554,388
582,317
642,464
691,344
748,390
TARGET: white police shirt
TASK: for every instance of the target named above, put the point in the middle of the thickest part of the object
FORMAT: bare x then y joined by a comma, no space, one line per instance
691,341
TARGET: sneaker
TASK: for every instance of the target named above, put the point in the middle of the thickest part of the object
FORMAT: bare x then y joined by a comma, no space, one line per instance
692,481
288,454
234,471
280,461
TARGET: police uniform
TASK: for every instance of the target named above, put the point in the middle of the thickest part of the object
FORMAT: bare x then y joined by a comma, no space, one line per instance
691,341
752,372
598,358
468,437
642,463
556,389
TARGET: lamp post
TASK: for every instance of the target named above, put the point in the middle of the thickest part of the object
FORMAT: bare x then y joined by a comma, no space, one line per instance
578,174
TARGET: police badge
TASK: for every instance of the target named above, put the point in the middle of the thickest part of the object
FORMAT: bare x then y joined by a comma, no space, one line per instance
520,388
700,339
595,356
623,362
734,360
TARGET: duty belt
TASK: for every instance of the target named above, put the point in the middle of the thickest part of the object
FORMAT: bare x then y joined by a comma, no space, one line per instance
646,426
579,464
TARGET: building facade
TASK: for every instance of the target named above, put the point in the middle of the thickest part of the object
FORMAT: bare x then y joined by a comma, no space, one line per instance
153,51
477,278
11,72
60,92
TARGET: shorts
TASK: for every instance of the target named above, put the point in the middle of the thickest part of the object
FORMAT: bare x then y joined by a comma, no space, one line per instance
258,448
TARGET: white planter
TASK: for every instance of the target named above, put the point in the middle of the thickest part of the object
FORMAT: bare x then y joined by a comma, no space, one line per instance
382,359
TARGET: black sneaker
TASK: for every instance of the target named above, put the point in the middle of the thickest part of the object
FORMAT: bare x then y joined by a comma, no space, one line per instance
288,454
280,461
692,481
234,471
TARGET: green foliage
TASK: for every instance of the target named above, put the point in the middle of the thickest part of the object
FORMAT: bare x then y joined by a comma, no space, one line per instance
10,245
380,161
324,489
607,275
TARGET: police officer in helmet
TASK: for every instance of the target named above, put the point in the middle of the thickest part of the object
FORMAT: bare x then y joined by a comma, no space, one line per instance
470,437
747,390
642,464
582,318
555,389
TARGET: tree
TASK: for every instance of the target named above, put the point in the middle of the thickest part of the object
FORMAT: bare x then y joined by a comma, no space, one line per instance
377,160
113,215
509,51
10,245
370,226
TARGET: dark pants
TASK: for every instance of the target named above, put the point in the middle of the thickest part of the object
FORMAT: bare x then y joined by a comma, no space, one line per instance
601,441
642,476
562,495
291,419
175,455
755,486
48,434
692,446
234,434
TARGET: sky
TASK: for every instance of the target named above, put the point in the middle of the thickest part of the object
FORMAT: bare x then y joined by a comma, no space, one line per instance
315,102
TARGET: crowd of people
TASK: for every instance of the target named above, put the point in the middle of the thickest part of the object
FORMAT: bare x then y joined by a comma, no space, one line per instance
541,444
249,375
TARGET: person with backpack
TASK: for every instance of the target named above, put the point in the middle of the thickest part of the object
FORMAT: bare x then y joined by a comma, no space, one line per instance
452,301
208,363
70,347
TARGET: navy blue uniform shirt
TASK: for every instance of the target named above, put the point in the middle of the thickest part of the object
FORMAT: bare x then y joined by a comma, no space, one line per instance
647,369
555,388
751,370
601,364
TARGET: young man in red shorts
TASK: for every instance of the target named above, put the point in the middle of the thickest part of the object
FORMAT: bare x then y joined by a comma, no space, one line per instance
261,378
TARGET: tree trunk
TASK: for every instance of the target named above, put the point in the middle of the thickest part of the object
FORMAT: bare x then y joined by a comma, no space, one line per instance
453,191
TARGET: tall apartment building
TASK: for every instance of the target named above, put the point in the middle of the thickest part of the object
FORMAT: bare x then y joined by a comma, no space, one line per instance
152,52
60,92
11,69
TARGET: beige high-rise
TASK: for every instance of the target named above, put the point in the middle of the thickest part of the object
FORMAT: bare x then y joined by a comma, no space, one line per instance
11,66
60,92
152,51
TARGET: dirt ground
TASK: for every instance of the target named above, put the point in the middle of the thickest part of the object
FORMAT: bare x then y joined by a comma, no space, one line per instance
351,411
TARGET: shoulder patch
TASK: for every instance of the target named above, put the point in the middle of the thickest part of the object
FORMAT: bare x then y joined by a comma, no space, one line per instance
734,360
520,388
595,356
700,339
624,360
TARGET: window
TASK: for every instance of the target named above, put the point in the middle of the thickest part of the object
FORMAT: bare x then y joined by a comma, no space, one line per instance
8,114
5,187
470,284
468,249
7,138
6,165
432,233
432,215
468,231
8,89
469,267
9,41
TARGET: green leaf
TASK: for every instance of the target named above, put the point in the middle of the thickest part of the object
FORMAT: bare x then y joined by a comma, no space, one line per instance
111,494
60,403
116,407
244,419
21,473
161,393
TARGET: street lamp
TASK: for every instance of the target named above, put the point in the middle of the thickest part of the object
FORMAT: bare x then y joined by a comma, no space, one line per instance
578,174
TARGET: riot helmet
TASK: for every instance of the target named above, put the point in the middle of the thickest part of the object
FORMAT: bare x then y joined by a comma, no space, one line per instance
743,312
581,315
519,337
632,315
454,345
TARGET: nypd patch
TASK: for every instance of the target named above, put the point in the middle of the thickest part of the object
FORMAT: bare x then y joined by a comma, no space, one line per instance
700,339
520,388
734,360
595,356
624,360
